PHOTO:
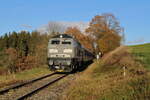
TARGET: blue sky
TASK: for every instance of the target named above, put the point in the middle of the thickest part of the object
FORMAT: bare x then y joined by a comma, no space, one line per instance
134,15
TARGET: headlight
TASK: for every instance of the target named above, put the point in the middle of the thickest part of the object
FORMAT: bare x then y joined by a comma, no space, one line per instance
68,62
50,62
67,50
53,50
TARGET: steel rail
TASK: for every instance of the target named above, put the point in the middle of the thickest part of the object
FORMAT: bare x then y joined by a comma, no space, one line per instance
40,88
25,83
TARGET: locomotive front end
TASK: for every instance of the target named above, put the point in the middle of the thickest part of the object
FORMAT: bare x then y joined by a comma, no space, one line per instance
60,53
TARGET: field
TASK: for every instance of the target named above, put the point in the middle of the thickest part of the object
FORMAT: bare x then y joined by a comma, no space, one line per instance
123,74
142,54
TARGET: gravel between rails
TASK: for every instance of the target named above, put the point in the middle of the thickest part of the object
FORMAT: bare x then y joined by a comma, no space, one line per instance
15,93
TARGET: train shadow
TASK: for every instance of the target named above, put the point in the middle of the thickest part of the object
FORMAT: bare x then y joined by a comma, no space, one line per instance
64,72
81,68
84,66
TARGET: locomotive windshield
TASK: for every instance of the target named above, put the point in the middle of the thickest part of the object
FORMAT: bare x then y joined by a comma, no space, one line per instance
55,42
66,42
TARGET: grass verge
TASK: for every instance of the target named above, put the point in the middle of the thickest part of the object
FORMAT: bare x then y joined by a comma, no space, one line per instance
6,80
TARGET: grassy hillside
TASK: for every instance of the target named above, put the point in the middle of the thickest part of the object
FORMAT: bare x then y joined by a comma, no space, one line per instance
142,54
106,79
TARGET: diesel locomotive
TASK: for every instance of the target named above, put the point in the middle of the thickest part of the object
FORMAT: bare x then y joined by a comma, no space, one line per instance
66,54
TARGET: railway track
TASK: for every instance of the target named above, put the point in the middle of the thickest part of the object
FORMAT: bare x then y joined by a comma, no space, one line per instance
24,83
40,88
50,79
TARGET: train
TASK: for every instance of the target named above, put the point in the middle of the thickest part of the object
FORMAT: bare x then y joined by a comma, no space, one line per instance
66,54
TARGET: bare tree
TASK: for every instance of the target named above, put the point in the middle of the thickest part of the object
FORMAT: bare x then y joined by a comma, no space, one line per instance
54,26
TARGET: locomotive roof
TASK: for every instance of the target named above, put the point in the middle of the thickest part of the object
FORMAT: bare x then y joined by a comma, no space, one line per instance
62,36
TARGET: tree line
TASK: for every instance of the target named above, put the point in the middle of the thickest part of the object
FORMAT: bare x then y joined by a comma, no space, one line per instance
23,50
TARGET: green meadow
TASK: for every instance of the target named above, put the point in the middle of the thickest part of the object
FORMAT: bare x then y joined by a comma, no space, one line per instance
142,54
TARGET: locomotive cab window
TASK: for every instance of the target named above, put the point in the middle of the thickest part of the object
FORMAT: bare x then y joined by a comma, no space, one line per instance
55,42
66,42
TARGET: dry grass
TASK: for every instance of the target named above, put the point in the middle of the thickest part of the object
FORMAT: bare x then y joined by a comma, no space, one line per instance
105,80
9,79
121,57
